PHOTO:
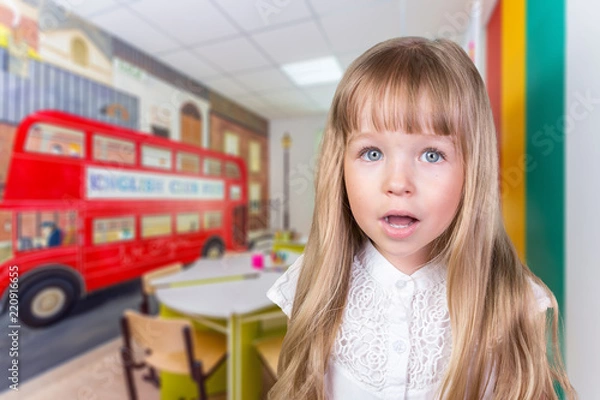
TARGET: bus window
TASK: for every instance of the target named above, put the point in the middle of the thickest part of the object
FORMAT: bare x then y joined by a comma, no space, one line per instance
188,222
45,229
156,225
156,157
213,219
235,192
5,236
50,139
232,170
114,150
109,230
212,167
188,162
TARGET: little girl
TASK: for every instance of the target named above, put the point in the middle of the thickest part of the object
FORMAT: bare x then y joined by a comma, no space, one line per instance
409,287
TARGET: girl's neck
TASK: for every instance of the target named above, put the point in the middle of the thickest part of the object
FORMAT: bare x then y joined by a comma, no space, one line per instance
407,264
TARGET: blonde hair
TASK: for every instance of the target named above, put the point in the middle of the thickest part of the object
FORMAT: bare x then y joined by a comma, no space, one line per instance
490,298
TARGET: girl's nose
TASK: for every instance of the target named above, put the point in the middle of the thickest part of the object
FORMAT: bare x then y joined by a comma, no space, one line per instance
399,180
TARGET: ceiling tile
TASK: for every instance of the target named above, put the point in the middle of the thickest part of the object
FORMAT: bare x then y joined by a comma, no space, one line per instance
233,55
257,105
198,21
347,58
261,14
267,79
286,98
234,46
351,30
189,63
298,42
251,101
226,86
449,23
325,7
126,25
86,9
321,95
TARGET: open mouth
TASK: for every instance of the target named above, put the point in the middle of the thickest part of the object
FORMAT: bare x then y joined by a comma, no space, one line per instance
400,221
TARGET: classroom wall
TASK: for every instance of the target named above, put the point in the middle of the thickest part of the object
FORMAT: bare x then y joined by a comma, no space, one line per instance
582,109
305,133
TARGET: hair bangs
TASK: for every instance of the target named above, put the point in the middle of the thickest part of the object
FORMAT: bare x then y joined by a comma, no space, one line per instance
396,91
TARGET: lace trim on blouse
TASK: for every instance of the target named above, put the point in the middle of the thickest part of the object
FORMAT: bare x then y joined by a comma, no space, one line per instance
362,344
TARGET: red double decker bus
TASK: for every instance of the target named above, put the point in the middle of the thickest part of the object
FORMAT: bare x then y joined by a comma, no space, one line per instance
88,205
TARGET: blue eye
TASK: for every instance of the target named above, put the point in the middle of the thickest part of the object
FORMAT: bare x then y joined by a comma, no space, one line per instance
432,156
371,154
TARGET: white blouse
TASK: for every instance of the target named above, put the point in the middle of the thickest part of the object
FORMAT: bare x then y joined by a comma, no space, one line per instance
395,340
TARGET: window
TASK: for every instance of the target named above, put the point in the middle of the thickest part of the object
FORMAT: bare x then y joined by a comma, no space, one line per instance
79,52
51,139
212,167
254,156
44,229
156,225
109,230
213,219
156,157
232,170
235,192
232,144
188,222
114,150
254,197
188,162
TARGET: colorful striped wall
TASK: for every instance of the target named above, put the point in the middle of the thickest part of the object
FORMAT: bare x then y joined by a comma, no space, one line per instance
526,78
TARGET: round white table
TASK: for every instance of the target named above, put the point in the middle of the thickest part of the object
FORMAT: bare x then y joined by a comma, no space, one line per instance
228,295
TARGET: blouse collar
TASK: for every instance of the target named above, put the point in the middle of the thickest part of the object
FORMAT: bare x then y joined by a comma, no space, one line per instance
389,276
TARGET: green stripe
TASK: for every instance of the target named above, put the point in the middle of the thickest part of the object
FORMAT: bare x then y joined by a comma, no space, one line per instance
208,281
545,191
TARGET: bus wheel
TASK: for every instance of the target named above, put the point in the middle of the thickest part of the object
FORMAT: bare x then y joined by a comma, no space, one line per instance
46,301
213,249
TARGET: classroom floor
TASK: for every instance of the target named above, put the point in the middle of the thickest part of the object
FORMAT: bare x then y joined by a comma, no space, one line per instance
95,375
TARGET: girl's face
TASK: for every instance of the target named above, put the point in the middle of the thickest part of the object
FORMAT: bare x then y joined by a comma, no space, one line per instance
404,190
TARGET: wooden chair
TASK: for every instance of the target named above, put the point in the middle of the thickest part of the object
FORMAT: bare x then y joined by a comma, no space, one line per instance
170,345
268,350
148,290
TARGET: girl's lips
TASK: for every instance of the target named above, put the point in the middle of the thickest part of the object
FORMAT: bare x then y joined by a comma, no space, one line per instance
399,231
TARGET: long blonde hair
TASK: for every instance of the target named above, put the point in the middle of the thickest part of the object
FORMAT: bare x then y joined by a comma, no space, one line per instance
495,321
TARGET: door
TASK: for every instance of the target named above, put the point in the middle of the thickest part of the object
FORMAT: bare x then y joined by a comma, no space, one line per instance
191,125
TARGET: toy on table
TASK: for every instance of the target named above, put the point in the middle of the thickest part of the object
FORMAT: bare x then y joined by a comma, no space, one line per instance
258,261
278,257
277,261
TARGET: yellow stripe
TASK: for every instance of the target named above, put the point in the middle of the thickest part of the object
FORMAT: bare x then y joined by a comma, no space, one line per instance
513,121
